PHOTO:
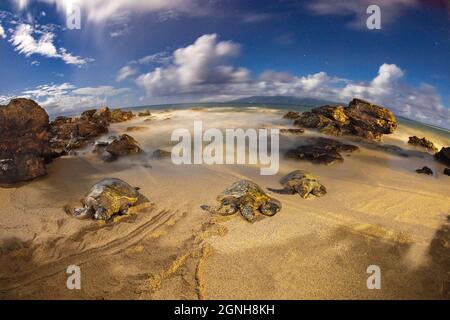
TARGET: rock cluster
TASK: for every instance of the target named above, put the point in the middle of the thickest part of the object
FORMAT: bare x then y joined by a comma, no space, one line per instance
68,134
24,140
422,142
360,118
28,141
321,151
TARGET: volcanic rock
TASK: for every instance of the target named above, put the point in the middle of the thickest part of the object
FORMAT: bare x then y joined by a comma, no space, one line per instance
321,151
24,139
360,118
443,156
422,142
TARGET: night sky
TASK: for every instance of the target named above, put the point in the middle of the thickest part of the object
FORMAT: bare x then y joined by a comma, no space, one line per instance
133,52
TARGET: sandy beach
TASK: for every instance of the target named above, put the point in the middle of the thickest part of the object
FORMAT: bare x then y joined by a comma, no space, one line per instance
378,211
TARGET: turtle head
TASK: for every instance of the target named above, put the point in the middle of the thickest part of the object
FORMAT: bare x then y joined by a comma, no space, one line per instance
80,213
319,190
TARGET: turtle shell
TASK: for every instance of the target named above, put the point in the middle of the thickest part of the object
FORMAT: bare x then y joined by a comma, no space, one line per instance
111,196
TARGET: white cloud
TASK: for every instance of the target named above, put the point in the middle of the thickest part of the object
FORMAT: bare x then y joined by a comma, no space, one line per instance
196,66
125,72
2,32
24,42
103,10
65,97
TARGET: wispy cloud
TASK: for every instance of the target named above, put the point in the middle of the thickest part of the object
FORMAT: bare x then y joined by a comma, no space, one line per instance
66,97
24,41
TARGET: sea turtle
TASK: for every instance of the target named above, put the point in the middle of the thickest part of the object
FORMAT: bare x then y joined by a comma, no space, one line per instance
300,182
247,198
106,198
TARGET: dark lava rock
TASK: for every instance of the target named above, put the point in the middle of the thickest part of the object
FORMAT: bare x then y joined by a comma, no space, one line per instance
425,170
68,134
321,151
360,118
117,115
422,142
144,114
293,131
447,171
24,139
161,154
443,156
291,115
123,145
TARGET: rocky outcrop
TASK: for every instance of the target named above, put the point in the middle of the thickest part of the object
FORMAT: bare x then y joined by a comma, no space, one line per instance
161,154
425,170
443,156
320,151
292,131
360,118
144,114
69,134
291,115
117,115
137,129
121,146
422,142
24,140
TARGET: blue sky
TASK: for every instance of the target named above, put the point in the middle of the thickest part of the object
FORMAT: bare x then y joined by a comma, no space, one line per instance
137,52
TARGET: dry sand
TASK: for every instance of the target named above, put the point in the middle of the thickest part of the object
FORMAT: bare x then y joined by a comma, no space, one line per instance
378,211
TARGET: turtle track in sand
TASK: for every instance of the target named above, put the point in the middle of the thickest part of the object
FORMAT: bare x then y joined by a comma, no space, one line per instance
160,258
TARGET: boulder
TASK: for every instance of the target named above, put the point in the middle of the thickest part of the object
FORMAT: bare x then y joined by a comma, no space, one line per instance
161,154
422,142
443,156
320,151
425,170
24,140
360,118
144,114
123,145
291,115
117,115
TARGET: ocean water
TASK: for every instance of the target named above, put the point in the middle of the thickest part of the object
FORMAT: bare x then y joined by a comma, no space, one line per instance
407,127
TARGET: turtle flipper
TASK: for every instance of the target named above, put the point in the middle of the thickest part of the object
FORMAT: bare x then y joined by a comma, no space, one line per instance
270,208
248,212
302,190
80,213
225,209
319,191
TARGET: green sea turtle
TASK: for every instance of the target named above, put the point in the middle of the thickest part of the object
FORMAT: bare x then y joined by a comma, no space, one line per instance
247,198
106,198
300,182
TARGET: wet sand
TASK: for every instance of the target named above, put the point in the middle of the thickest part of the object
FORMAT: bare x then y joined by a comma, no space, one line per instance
377,211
